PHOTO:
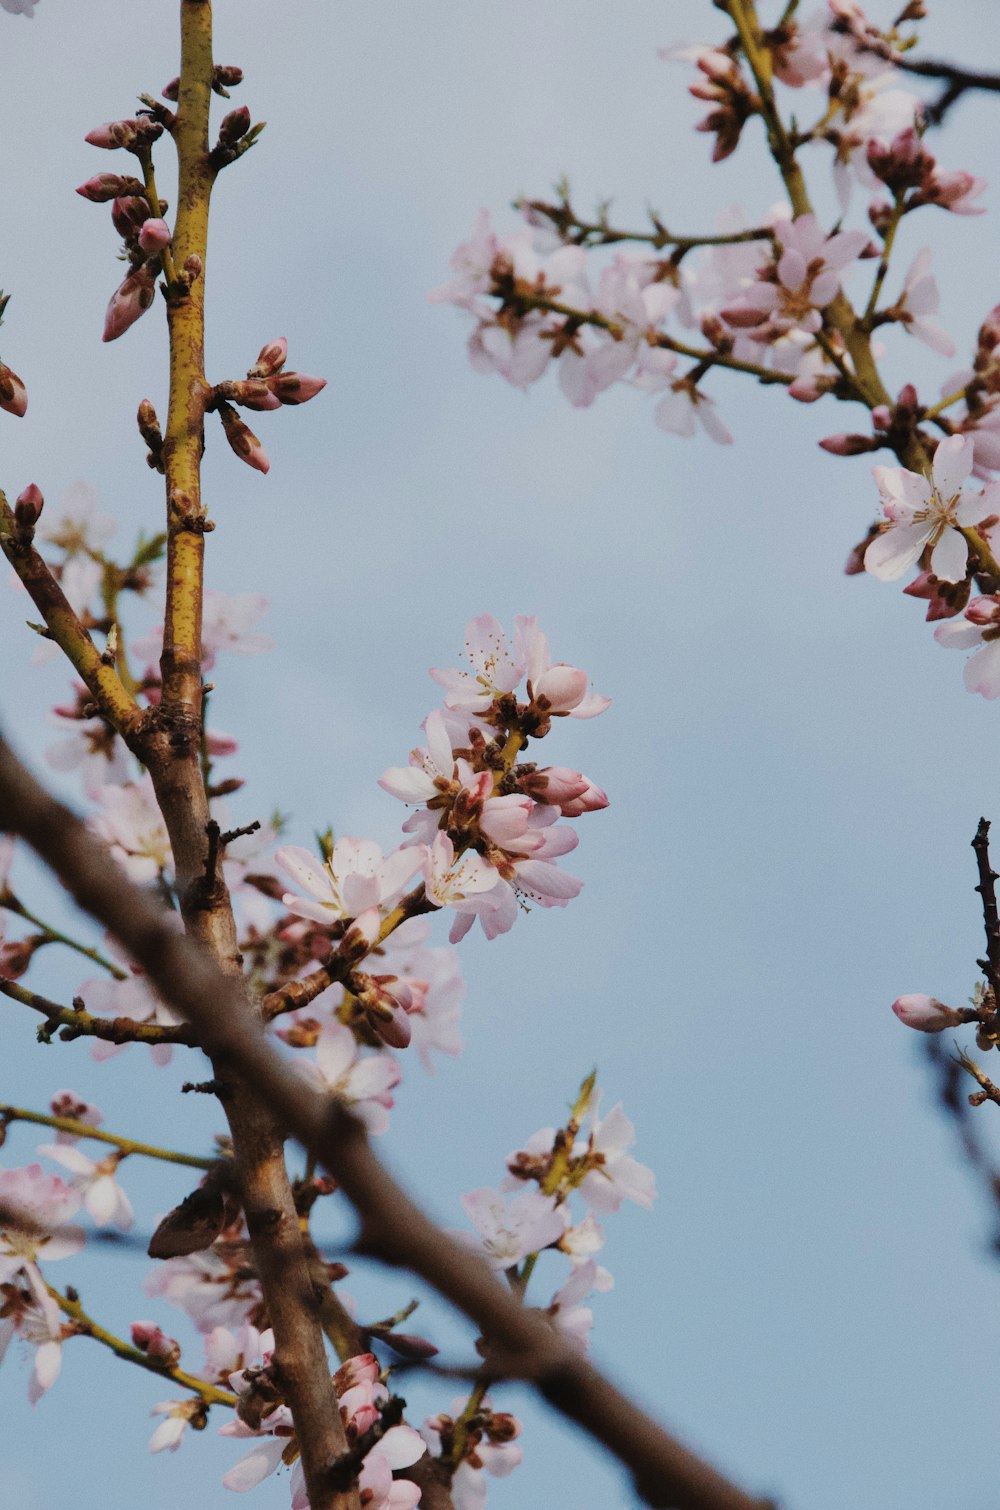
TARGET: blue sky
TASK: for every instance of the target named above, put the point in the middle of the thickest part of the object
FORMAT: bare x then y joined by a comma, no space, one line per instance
794,767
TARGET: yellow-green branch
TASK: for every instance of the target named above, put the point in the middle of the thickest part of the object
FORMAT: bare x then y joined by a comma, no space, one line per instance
84,1130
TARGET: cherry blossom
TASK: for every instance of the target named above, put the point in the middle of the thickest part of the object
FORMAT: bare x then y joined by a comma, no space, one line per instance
803,279
982,629
69,1104
226,625
615,1176
356,879
491,1449
435,981
134,998
103,1198
466,883
214,1287
495,670
80,529
508,1234
573,1318
177,1417
36,1207
32,1315
919,299
364,1082
131,824
925,512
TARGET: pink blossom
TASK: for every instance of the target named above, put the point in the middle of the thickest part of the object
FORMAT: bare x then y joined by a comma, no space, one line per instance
132,997
494,670
925,512
982,628
103,1198
953,191
616,1176
466,883
919,299
563,688
80,529
131,823
354,880
435,981
802,280
365,1083
210,1290
509,1234
69,1104
225,625
31,1314
154,236
472,262
571,1317
36,1207
177,1416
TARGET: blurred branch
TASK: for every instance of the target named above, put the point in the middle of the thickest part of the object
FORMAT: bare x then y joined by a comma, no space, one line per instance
520,1341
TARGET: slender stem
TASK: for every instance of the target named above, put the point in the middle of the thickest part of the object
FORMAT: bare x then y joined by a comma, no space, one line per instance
82,1024
86,1326
157,207
944,403
472,1405
987,562
85,1130
883,262
599,233
54,936
101,680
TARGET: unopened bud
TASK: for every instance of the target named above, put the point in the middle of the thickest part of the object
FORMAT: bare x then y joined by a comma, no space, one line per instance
983,611
149,426
129,214
128,302
252,394
154,236
295,387
242,439
225,76
272,358
233,126
191,269
135,133
13,394
559,689
149,1339
409,1345
105,186
172,91
925,1013
28,507
843,444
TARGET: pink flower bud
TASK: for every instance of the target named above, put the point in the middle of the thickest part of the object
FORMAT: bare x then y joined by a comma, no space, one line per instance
172,91
28,506
272,358
590,801
233,126
806,390
881,416
105,186
983,611
295,387
129,214
128,302
554,785
559,689
242,439
925,1013
843,444
226,76
154,236
139,131
148,1338
409,1345
13,394
253,394
363,1368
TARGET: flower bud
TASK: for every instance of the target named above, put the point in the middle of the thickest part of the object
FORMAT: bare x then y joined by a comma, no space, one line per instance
129,214
128,302
105,186
363,1368
559,689
154,236
148,1338
554,785
28,507
172,91
233,126
843,444
242,439
13,394
136,132
272,358
409,1345
590,801
252,394
983,611
226,76
295,387
925,1013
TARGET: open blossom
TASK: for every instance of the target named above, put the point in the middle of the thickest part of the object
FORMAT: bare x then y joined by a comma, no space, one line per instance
615,1176
215,1287
929,512
103,1198
80,529
34,1211
982,630
131,824
28,1312
573,1318
494,668
466,883
491,1449
919,299
437,989
225,625
804,279
508,1233
356,879
134,998
364,1082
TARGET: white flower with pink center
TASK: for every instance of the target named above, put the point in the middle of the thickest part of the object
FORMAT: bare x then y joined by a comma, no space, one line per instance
466,882
561,689
34,1210
102,1196
509,1233
356,880
494,669
571,1316
32,1315
616,1177
131,823
803,280
919,299
982,629
929,512
364,1082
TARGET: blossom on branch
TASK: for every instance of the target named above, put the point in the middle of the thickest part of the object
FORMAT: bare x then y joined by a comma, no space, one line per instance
929,513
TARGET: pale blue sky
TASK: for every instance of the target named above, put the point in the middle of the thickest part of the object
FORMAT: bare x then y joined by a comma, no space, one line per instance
794,767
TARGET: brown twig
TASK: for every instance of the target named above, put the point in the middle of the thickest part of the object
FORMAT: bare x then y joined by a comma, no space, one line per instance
991,918
521,1341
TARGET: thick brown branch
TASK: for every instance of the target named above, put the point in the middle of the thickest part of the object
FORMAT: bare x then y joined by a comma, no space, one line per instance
520,1342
